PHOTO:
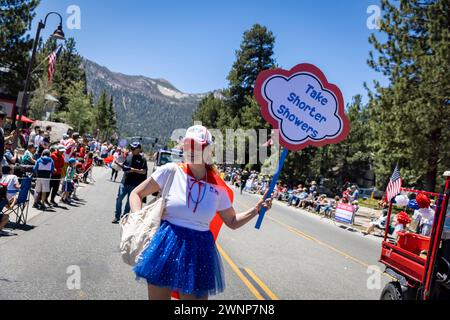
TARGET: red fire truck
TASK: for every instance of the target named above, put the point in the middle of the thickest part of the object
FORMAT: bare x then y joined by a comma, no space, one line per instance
420,264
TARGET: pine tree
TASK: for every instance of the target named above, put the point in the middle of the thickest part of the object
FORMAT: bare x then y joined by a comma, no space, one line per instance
111,120
79,112
15,45
101,115
208,111
69,70
411,117
254,56
350,160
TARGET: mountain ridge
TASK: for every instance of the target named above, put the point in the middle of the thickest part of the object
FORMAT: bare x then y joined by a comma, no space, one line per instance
145,107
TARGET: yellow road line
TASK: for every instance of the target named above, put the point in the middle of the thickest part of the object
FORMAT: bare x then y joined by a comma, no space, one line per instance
304,235
261,284
311,238
239,273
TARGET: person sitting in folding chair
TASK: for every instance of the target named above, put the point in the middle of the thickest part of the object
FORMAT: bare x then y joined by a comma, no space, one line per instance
12,181
20,205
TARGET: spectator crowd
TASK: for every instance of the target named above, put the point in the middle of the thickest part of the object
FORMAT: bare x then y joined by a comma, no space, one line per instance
57,166
305,196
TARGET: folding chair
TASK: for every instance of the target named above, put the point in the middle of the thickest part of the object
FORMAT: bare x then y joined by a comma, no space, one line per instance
20,209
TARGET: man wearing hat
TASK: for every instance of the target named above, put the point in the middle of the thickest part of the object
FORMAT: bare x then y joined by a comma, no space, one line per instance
135,172
58,160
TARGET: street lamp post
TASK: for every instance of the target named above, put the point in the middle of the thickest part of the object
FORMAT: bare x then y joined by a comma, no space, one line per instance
58,34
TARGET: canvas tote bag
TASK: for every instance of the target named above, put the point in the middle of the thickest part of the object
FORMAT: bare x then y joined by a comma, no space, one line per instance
138,228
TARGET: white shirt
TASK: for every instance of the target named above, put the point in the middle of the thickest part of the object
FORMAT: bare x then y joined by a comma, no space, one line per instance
31,137
181,208
426,215
37,140
104,150
118,158
11,180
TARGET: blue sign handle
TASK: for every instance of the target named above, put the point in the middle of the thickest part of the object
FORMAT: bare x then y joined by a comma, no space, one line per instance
272,186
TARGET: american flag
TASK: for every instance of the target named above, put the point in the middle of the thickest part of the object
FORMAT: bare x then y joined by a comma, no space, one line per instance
52,63
393,188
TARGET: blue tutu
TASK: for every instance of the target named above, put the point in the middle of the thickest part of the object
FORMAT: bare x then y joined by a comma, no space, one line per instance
183,260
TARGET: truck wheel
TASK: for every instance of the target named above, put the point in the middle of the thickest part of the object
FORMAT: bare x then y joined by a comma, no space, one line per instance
392,291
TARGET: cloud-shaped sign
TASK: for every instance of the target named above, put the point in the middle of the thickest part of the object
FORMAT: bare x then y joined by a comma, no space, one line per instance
305,108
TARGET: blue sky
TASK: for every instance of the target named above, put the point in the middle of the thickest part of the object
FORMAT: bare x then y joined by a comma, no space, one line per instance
192,43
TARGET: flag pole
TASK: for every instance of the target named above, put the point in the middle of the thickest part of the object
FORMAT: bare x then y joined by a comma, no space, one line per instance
46,58
262,213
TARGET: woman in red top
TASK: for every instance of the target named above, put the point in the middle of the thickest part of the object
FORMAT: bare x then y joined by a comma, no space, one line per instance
58,159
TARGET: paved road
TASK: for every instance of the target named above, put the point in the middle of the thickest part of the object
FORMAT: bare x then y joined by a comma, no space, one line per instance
294,256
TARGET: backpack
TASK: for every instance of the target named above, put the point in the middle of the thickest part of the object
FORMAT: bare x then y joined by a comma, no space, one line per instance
137,229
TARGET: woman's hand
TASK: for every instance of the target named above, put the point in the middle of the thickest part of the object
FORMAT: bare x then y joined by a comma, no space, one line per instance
264,204
236,220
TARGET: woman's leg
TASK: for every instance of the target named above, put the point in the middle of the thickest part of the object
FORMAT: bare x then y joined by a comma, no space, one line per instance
370,229
157,293
192,297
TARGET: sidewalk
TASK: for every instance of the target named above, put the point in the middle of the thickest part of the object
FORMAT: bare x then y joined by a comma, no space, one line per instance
33,212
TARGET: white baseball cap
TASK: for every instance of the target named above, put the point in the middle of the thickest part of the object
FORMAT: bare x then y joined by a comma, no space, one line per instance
199,134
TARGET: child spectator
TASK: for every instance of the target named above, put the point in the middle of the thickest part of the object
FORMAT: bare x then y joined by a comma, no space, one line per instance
12,181
87,166
424,215
68,185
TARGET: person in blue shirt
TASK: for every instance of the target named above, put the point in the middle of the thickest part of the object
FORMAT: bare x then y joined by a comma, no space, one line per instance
354,193
43,169
313,187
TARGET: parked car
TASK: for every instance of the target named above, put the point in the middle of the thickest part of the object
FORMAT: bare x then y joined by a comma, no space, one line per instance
366,193
164,157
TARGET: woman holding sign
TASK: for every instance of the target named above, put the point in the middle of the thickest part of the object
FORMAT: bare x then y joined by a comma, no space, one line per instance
182,256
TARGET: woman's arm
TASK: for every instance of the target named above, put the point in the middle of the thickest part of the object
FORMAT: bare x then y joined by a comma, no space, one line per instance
145,189
235,220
